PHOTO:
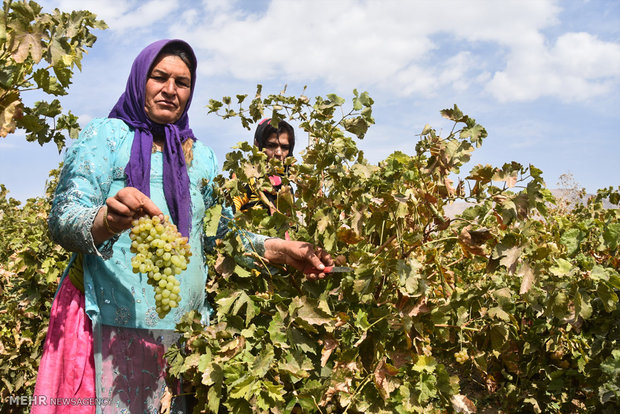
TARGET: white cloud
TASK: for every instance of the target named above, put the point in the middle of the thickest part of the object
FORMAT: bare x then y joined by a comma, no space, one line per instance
106,10
123,15
390,44
405,48
583,55
149,13
577,67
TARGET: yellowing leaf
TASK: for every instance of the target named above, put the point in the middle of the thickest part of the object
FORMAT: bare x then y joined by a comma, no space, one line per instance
510,178
276,331
348,236
427,386
582,307
453,114
599,273
425,363
611,235
309,311
263,362
562,268
410,276
572,239
225,303
499,313
241,272
274,392
242,389
11,108
510,258
322,223
251,171
212,220
475,133
298,366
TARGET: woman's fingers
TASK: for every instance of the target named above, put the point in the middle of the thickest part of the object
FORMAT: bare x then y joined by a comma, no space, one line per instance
325,257
126,205
119,212
316,258
151,208
301,255
118,207
131,202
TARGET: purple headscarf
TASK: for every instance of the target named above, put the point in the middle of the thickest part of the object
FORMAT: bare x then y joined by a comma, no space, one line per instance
130,108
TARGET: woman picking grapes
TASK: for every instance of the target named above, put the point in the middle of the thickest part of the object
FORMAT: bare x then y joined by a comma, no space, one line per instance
277,143
106,338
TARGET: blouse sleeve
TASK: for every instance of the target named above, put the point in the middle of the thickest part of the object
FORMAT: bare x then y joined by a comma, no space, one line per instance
83,187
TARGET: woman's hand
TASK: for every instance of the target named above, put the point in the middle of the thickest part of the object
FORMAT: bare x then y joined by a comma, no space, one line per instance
301,255
119,211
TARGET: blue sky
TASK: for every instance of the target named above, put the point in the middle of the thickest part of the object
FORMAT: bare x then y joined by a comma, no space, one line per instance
542,76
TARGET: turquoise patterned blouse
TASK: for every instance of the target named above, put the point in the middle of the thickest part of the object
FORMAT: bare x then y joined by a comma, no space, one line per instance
93,171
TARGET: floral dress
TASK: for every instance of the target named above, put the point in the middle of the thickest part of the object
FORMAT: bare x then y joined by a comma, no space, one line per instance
128,338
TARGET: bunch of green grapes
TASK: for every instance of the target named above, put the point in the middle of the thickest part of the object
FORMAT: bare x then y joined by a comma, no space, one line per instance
162,253
461,356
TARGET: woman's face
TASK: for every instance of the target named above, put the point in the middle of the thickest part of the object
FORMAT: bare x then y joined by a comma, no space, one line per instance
168,88
277,146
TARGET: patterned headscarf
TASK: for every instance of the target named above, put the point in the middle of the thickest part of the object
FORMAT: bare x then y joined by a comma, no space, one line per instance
130,108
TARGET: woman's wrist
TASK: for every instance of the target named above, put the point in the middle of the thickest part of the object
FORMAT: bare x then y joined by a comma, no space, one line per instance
101,229
273,250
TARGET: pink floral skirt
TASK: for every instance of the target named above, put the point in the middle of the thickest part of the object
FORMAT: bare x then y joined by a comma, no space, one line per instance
66,378
133,369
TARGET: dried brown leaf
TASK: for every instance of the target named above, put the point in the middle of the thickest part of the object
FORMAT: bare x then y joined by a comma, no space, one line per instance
399,358
462,404
233,347
384,384
511,258
328,347
407,307
8,116
528,278
224,265
166,402
27,43
449,188
468,244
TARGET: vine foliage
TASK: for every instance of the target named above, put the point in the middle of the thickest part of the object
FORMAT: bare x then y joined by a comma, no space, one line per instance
40,51
511,304
30,267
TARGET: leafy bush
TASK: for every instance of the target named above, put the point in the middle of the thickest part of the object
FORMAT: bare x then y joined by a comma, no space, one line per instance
510,305
30,267
39,51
